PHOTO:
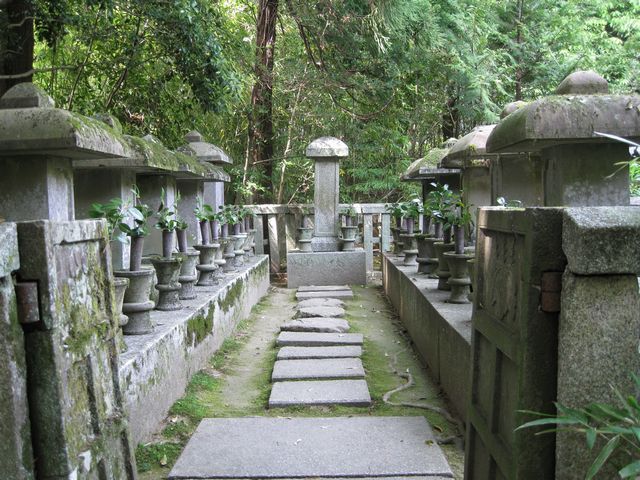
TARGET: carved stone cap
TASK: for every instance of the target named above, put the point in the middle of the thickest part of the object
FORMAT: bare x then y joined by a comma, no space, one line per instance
26,95
583,82
471,146
204,151
509,108
327,147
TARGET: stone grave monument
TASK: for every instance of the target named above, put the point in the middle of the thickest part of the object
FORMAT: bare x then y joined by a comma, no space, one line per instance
326,265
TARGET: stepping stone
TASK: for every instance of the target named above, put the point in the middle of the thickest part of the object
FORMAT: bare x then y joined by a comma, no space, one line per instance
323,288
322,325
286,448
353,393
325,369
310,312
308,339
337,294
320,302
295,353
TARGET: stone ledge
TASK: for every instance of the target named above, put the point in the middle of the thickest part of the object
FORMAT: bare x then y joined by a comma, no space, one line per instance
441,332
155,369
602,240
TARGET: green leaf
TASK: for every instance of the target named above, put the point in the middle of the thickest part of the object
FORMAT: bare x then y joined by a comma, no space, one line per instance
602,457
631,470
591,437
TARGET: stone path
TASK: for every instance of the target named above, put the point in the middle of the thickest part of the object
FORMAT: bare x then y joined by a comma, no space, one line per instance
315,367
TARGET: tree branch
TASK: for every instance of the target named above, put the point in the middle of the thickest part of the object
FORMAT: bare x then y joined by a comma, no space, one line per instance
33,71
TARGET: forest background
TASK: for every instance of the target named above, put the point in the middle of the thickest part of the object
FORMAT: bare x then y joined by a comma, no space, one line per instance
262,78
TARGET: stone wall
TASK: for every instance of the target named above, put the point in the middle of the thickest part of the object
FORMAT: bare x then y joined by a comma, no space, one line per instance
441,332
156,368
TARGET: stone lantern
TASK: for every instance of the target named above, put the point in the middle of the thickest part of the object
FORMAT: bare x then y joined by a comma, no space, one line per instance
579,168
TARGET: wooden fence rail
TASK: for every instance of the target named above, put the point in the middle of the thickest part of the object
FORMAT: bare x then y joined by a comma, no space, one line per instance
277,226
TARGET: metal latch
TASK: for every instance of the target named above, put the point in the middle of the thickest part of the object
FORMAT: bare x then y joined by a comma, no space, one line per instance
28,305
551,288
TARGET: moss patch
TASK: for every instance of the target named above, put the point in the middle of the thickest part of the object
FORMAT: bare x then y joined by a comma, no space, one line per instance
199,327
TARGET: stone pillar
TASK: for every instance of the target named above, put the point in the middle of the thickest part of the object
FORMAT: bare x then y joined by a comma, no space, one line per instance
575,167
16,456
190,191
150,187
326,152
599,324
100,186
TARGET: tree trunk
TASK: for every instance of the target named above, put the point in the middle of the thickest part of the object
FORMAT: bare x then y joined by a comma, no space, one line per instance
520,68
16,43
450,119
261,121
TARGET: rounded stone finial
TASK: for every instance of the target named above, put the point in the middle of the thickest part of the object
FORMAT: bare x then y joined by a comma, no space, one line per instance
449,142
583,82
193,136
152,139
26,95
511,107
327,147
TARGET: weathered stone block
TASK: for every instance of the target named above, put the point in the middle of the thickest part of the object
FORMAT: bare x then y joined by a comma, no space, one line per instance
16,457
354,393
77,415
597,350
604,240
317,369
326,268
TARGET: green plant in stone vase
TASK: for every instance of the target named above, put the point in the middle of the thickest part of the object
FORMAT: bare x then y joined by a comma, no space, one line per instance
139,213
412,211
460,219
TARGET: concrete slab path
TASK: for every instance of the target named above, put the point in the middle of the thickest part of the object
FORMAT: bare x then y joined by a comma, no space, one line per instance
255,448
306,339
317,369
292,353
319,302
319,325
309,312
336,294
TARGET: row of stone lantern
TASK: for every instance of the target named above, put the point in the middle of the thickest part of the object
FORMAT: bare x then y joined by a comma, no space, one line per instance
543,153
69,161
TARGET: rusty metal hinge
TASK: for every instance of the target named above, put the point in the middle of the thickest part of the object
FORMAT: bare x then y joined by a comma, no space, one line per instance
28,304
551,289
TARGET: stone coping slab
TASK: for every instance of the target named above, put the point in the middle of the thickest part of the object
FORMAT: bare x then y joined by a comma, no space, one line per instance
292,353
310,448
314,312
306,339
319,302
323,288
336,294
602,240
317,369
320,325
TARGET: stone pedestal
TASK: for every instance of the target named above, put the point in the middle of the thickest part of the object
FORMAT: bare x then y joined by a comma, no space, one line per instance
188,275
207,266
326,268
443,272
410,248
459,281
229,255
137,304
238,251
168,286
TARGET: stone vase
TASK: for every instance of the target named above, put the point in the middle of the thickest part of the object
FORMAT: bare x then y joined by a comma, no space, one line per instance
121,285
348,239
252,242
136,304
168,286
206,265
219,261
410,248
304,239
425,254
443,272
397,244
229,255
238,241
459,279
188,275
432,261
246,246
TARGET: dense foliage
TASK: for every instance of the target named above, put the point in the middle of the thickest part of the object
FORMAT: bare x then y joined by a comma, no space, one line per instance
392,78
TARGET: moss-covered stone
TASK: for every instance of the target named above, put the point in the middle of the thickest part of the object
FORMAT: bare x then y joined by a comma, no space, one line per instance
199,326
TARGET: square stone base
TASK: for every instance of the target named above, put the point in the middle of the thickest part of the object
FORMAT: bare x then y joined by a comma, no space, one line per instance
326,268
